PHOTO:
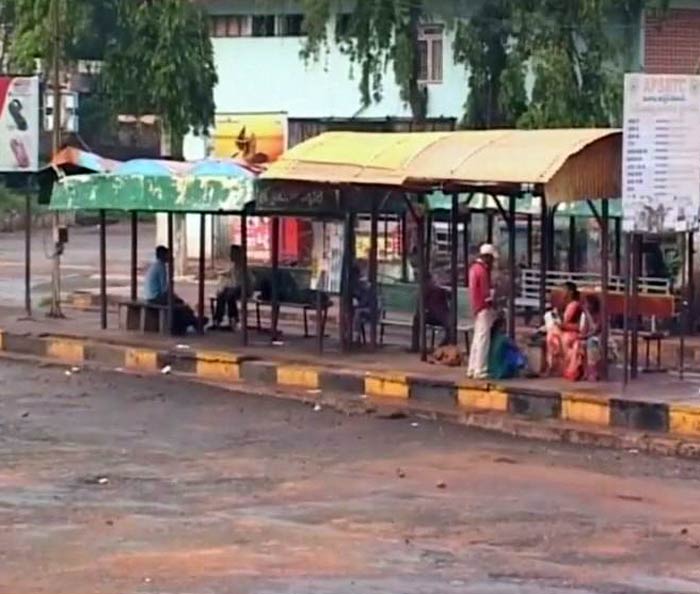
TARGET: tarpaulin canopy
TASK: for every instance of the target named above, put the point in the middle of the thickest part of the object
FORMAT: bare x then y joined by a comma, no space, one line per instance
71,158
160,186
564,164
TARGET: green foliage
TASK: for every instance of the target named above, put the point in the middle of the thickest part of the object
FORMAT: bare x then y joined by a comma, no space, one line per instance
574,58
378,33
84,24
497,95
161,61
158,57
570,57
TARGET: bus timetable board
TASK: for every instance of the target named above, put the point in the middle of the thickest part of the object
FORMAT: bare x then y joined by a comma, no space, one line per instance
661,153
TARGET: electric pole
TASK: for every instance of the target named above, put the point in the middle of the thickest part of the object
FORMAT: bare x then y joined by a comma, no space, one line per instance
55,311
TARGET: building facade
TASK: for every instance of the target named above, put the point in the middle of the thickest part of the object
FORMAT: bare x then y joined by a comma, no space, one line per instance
257,48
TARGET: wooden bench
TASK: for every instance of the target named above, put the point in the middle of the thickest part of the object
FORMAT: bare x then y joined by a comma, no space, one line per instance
304,307
142,316
302,279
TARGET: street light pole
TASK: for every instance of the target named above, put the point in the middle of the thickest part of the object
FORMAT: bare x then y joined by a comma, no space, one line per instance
55,311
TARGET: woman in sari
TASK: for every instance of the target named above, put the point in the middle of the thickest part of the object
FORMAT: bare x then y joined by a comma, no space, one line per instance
566,356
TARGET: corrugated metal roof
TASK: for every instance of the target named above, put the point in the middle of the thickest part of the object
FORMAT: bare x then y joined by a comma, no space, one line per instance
568,164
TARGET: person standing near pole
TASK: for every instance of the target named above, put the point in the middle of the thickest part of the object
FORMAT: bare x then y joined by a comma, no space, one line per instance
481,293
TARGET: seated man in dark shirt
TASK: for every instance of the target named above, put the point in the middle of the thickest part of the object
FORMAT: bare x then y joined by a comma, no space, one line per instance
437,312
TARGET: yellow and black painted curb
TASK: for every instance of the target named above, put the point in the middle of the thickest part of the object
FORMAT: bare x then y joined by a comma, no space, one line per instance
468,397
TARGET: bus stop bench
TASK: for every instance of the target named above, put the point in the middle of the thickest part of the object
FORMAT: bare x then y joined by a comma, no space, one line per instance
305,308
648,337
463,328
143,316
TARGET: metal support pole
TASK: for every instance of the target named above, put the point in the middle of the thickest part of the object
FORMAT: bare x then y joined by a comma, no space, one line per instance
245,289
544,251
511,267
605,281
618,246
636,273
133,276
103,269
572,244
373,269
171,275
684,306
626,319
428,239
404,248
551,238
691,282
346,309
55,311
489,227
454,265
28,255
202,262
465,245
422,273
275,244
386,238
530,258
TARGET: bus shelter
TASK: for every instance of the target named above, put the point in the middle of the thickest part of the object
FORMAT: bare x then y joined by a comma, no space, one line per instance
559,166
206,187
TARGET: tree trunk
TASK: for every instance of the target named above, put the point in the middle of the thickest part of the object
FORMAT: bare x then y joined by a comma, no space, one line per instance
171,147
417,93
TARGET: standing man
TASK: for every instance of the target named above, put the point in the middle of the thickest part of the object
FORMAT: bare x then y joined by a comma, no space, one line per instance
481,293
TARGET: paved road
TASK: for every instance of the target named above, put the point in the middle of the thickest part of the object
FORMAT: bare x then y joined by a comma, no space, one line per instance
117,484
80,263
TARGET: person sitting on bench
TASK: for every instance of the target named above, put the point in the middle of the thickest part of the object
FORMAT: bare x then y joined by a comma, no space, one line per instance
437,310
230,290
363,298
156,290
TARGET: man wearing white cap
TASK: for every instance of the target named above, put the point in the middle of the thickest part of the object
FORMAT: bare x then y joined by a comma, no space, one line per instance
481,294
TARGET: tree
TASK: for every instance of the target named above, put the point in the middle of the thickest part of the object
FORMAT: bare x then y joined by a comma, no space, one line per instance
566,48
377,33
84,26
160,61
562,48
496,96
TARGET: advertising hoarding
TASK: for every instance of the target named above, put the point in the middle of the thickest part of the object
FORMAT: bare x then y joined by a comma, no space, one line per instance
19,124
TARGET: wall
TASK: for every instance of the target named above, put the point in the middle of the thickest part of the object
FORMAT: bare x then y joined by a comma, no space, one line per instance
672,42
267,74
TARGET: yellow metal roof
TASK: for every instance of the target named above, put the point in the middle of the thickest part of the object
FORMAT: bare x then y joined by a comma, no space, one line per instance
568,164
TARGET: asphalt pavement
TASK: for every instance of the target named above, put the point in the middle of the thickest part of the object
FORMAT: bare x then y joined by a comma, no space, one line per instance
113,483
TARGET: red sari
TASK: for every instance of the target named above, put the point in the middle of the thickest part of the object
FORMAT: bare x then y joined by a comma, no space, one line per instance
566,353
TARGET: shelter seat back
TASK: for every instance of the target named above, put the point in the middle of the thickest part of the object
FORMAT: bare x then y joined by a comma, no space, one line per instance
402,298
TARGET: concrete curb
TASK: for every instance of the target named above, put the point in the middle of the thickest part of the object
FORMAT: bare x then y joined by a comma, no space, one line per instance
463,401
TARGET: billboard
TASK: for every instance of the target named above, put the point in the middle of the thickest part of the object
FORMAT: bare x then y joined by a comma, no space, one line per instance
661,153
257,138
254,137
19,124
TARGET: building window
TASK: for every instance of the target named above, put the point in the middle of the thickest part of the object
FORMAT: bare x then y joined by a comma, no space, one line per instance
430,46
228,26
292,25
264,25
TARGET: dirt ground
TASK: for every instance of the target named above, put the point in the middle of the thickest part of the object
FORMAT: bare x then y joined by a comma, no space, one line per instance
113,484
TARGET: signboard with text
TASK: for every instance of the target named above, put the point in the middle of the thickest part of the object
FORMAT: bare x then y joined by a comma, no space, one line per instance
661,153
19,124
